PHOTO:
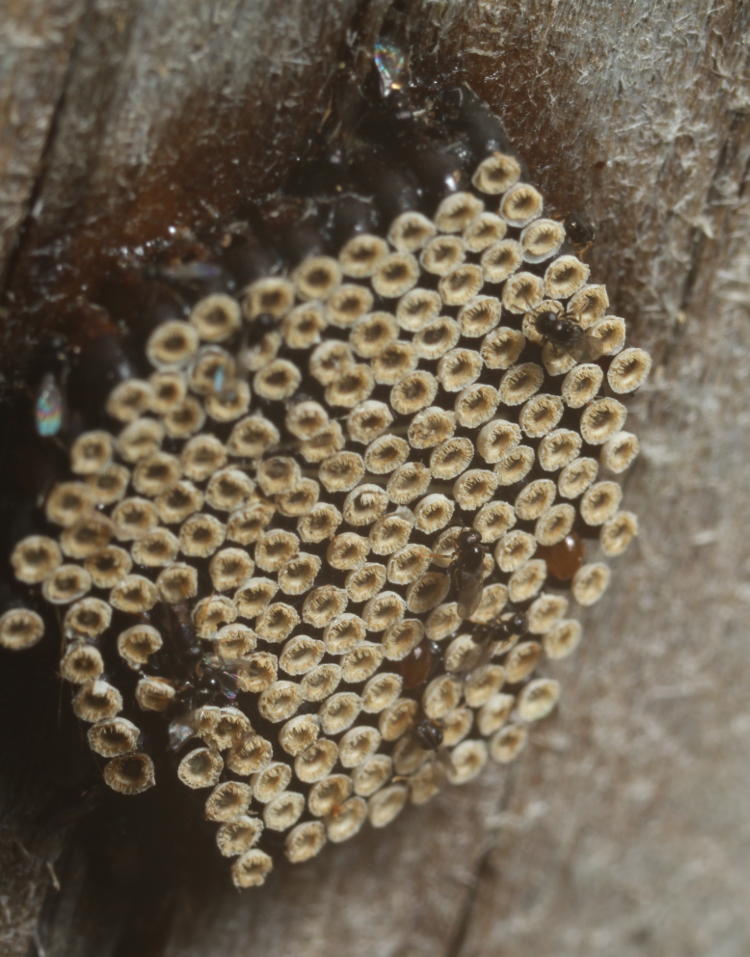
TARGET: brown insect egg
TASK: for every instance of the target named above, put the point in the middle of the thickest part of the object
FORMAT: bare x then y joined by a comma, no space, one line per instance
395,720
130,773
81,663
200,768
341,471
459,368
565,558
327,795
347,304
316,761
538,699
494,713
366,581
467,761
250,755
140,439
137,643
67,503
542,239
34,558
339,712
251,437
20,628
501,259
501,348
90,452
113,737
416,308
320,682
372,774
496,174
482,683
87,618
304,841
320,523
415,668
442,254
395,275
134,594
233,641
362,662
283,812
408,482
251,869
172,344
361,254
380,692
168,389
129,399
216,317
520,204
154,694
87,537
228,801
410,231
156,548
97,700
401,637
66,584
436,337
484,230
395,361
387,804
456,211
109,485
343,633
238,836
247,524
522,291
617,533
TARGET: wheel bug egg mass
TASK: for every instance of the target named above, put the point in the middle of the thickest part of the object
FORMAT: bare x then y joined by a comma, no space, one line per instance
320,453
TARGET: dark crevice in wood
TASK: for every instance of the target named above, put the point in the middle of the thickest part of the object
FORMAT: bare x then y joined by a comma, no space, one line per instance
699,239
25,227
463,921
482,867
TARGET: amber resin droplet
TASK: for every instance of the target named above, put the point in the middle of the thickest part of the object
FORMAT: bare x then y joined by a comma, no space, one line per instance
564,559
416,668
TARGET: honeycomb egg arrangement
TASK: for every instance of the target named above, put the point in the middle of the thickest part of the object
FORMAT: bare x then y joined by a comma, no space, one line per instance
315,554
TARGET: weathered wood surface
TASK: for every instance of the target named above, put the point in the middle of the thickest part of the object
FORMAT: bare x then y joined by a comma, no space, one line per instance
624,828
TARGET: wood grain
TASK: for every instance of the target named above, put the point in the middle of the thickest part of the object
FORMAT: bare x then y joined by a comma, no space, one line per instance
623,830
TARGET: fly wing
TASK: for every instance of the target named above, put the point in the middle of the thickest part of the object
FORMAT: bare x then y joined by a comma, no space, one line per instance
468,590
181,729
588,348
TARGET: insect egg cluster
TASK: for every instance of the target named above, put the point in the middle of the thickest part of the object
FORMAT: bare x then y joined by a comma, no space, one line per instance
335,516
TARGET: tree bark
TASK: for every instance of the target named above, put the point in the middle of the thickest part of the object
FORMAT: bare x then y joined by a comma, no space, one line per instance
621,830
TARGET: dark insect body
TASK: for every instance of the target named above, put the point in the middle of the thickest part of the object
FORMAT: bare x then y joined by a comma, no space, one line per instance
205,677
560,330
212,683
501,629
201,678
564,331
428,734
466,572
580,231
